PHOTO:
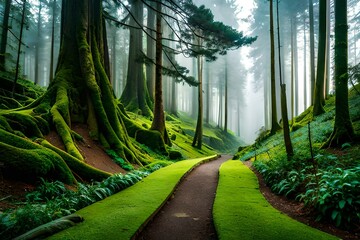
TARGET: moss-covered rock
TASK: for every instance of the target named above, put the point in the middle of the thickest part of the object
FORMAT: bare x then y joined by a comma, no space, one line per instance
175,155
152,139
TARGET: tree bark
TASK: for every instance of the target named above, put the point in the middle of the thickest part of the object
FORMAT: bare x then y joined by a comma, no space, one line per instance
136,96
150,51
19,46
226,96
305,68
4,34
158,122
51,72
197,141
38,43
312,51
207,93
343,130
284,111
274,121
321,63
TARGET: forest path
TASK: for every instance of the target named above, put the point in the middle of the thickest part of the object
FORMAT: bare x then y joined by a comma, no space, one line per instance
188,215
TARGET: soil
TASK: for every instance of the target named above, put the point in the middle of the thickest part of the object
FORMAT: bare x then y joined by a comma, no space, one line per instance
13,191
188,214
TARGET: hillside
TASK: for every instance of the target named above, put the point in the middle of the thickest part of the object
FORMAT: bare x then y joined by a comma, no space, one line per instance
326,180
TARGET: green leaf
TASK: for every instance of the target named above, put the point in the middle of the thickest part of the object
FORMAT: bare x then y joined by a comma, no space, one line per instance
334,214
342,204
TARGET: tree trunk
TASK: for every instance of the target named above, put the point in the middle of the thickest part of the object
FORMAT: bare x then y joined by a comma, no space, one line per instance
284,111
305,68
292,72
312,51
296,70
226,96
136,96
158,122
197,141
207,93
274,121
343,130
80,93
4,34
114,81
19,46
321,63
51,72
38,43
328,60
150,51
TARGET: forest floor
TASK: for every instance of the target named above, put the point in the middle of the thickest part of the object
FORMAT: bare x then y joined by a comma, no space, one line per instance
12,192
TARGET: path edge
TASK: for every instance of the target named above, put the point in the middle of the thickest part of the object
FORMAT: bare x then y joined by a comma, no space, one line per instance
151,217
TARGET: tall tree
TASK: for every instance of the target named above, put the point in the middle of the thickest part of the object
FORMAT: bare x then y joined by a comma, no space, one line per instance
22,23
218,39
312,50
321,63
284,112
80,93
4,34
343,130
158,122
52,50
150,50
135,95
274,121
38,43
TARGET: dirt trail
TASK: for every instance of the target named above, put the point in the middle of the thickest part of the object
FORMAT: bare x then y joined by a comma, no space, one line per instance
188,215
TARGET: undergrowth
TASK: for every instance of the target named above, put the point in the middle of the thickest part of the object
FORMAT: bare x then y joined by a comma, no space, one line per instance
327,181
52,200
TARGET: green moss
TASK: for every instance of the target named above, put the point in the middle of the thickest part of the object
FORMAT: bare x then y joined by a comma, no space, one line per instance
24,123
30,164
131,126
65,133
241,211
128,210
152,139
175,155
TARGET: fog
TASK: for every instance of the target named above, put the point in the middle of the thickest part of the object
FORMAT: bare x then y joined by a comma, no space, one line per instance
247,70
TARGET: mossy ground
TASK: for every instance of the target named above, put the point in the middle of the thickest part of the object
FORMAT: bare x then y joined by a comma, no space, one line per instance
121,215
241,212
181,141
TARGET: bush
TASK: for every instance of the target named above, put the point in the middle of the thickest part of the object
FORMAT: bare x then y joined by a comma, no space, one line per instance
52,200
336,196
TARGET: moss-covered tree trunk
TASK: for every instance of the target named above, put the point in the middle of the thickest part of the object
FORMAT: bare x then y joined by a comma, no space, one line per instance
80,93
343,130
135,95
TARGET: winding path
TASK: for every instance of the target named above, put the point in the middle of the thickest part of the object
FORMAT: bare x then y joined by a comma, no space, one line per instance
188,215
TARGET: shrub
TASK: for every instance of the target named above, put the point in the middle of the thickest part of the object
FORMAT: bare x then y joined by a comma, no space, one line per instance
336,196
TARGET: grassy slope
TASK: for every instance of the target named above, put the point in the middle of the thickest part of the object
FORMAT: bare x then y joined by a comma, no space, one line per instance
121,215
321,127
241,212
